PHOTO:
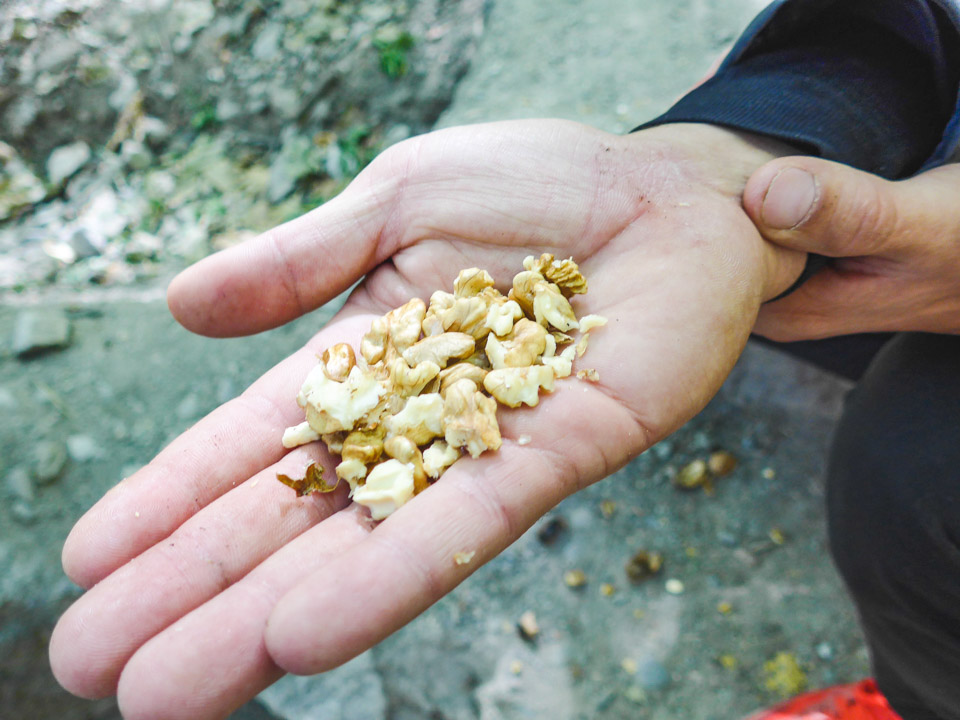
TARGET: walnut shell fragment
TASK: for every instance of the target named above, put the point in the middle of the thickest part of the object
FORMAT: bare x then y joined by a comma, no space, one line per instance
312,481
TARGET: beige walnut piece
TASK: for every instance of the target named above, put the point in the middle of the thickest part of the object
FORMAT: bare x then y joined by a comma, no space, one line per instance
429,377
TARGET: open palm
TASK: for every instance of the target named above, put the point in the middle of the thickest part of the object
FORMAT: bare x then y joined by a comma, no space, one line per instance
208,579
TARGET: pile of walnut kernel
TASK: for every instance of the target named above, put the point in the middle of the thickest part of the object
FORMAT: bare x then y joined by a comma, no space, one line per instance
429,378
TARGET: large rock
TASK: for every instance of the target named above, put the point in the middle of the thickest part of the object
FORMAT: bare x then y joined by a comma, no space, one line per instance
71,67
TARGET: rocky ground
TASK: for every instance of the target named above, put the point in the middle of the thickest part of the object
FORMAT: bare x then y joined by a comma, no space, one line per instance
96,210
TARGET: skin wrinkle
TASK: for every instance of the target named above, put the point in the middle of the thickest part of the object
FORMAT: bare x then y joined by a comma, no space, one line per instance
429,574
489,499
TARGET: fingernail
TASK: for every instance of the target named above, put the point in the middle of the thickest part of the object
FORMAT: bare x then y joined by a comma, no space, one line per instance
789,199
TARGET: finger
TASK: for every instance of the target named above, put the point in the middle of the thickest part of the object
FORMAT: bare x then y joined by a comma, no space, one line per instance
830,303
214,659
221,451
479,506
294,268
824,207
98,634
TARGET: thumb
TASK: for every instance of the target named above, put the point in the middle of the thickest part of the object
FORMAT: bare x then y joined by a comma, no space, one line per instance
819,206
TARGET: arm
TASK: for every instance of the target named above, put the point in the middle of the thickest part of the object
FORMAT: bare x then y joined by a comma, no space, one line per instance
194,612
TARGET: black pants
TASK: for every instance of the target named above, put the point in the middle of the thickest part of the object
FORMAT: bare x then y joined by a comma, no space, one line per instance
893,507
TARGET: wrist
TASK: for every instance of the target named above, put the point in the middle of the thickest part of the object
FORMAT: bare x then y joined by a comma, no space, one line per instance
723,159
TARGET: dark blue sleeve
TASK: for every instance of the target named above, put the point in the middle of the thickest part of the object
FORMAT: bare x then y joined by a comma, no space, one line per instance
840,85
870,83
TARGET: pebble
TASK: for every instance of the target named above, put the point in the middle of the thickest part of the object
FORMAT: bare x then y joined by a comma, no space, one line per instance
23,512
527,625
39,331
721,463
824,651
7,399
83,448
652,675
66,160
575,578
189,407
81,245
49,461
727,539
674,586
663,449
20,485
691,476
642,565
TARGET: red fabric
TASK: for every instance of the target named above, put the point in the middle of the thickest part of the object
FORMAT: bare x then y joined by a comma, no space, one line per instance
859,701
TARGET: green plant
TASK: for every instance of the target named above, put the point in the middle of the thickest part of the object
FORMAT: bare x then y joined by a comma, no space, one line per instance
394,53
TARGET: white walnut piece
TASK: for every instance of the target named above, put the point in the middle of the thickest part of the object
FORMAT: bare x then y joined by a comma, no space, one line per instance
332,405
388,486
470,419
514,386
299,435
501,317
440,349
429,377
438,457
421,419
520,348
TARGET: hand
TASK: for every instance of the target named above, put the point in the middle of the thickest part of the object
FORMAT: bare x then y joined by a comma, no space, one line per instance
208,578
896,248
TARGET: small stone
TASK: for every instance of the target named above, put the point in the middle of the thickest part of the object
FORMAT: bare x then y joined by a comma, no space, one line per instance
551,530
692,476
663,450
776,536
65,161
784,676
724,608
824,651
629,666
674,586
635,695
20,485
49,461
721,463
643,565
575,578
39,331
768,473
607,589
608,508
727,539
516,667
652,675
81,246
7,399
83,448
527,625
189,407
23,512
728,661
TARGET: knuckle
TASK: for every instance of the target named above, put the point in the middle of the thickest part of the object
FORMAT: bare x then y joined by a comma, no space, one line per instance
867,221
